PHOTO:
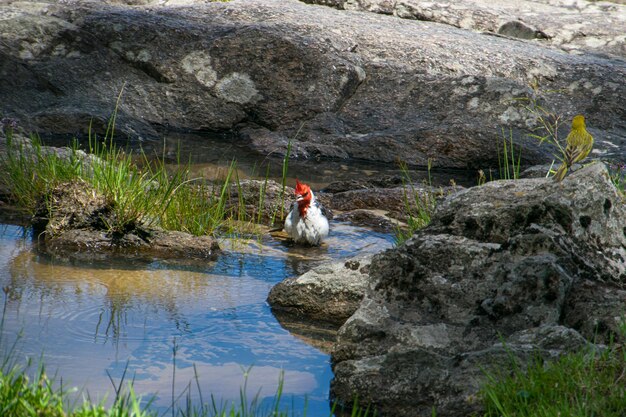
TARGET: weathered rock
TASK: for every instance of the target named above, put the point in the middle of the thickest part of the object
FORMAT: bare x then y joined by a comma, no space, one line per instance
534,264
394,202
384,181
74,219
338,83
262,200
327,293
376,220
578,25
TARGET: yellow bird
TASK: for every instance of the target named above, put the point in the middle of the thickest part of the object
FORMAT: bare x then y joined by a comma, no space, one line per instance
579,144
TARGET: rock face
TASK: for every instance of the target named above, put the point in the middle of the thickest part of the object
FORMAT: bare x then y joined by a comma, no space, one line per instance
537,265
262,200
328,293
340,84
578,25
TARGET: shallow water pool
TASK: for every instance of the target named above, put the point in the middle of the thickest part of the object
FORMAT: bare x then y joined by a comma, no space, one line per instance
169,327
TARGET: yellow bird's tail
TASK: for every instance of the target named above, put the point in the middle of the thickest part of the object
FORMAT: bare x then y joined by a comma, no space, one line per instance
560,173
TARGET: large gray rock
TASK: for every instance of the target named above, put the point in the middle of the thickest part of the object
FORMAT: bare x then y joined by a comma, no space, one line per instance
339,83
574,25
537,265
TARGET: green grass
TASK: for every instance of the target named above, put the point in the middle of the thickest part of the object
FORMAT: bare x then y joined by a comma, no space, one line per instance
617,174
419,206
509,161
548,124
582,384
42,396
22,397
142,192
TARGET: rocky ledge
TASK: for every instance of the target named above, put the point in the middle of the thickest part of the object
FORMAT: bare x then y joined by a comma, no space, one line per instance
338,83
573,25
523,268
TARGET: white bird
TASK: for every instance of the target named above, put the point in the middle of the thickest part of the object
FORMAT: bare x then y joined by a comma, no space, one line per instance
306,222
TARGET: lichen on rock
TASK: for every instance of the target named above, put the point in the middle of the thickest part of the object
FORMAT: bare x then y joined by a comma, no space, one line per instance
198,63
237,88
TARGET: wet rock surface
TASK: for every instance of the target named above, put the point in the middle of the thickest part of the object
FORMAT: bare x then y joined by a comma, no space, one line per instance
532,264
262,200
339,84
73,218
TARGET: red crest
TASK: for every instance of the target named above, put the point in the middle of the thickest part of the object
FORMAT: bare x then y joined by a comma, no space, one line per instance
301,188
303,197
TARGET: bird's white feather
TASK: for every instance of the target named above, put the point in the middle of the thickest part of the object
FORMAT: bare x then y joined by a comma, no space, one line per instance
311,229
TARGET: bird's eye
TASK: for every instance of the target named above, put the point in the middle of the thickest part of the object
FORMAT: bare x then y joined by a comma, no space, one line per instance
305,194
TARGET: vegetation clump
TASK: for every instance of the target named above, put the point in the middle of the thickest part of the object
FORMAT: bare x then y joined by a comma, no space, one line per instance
139,192
585,383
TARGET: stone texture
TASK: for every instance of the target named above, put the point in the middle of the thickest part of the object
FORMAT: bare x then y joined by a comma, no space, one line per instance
573,25
249,192
338,83
327,293
534,264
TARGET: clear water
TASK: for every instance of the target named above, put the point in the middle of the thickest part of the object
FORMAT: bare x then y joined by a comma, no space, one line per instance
210,155
94,321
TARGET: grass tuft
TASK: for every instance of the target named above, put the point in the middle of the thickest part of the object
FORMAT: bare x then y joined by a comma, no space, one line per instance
418,204
142,192
585,383
508,161
617,174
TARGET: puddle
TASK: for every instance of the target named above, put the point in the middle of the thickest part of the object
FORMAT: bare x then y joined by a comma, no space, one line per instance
211,154
91,319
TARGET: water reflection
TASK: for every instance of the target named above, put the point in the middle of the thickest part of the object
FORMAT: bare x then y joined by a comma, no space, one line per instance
92,319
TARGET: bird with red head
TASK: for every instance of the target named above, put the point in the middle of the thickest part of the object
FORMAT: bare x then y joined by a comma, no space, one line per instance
306,222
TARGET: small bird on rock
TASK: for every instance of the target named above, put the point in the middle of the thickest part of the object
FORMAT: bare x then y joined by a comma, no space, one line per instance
306,222
579,144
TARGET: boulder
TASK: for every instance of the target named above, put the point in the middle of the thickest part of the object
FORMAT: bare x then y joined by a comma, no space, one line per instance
508,269
261,201
337,83
328,293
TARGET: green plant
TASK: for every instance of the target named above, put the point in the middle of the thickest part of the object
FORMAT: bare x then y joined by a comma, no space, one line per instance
262,194
141,191
548,124
419,206
31,170
509,167
617,172
584,383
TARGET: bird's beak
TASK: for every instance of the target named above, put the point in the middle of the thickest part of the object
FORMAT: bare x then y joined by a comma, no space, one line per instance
299,197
